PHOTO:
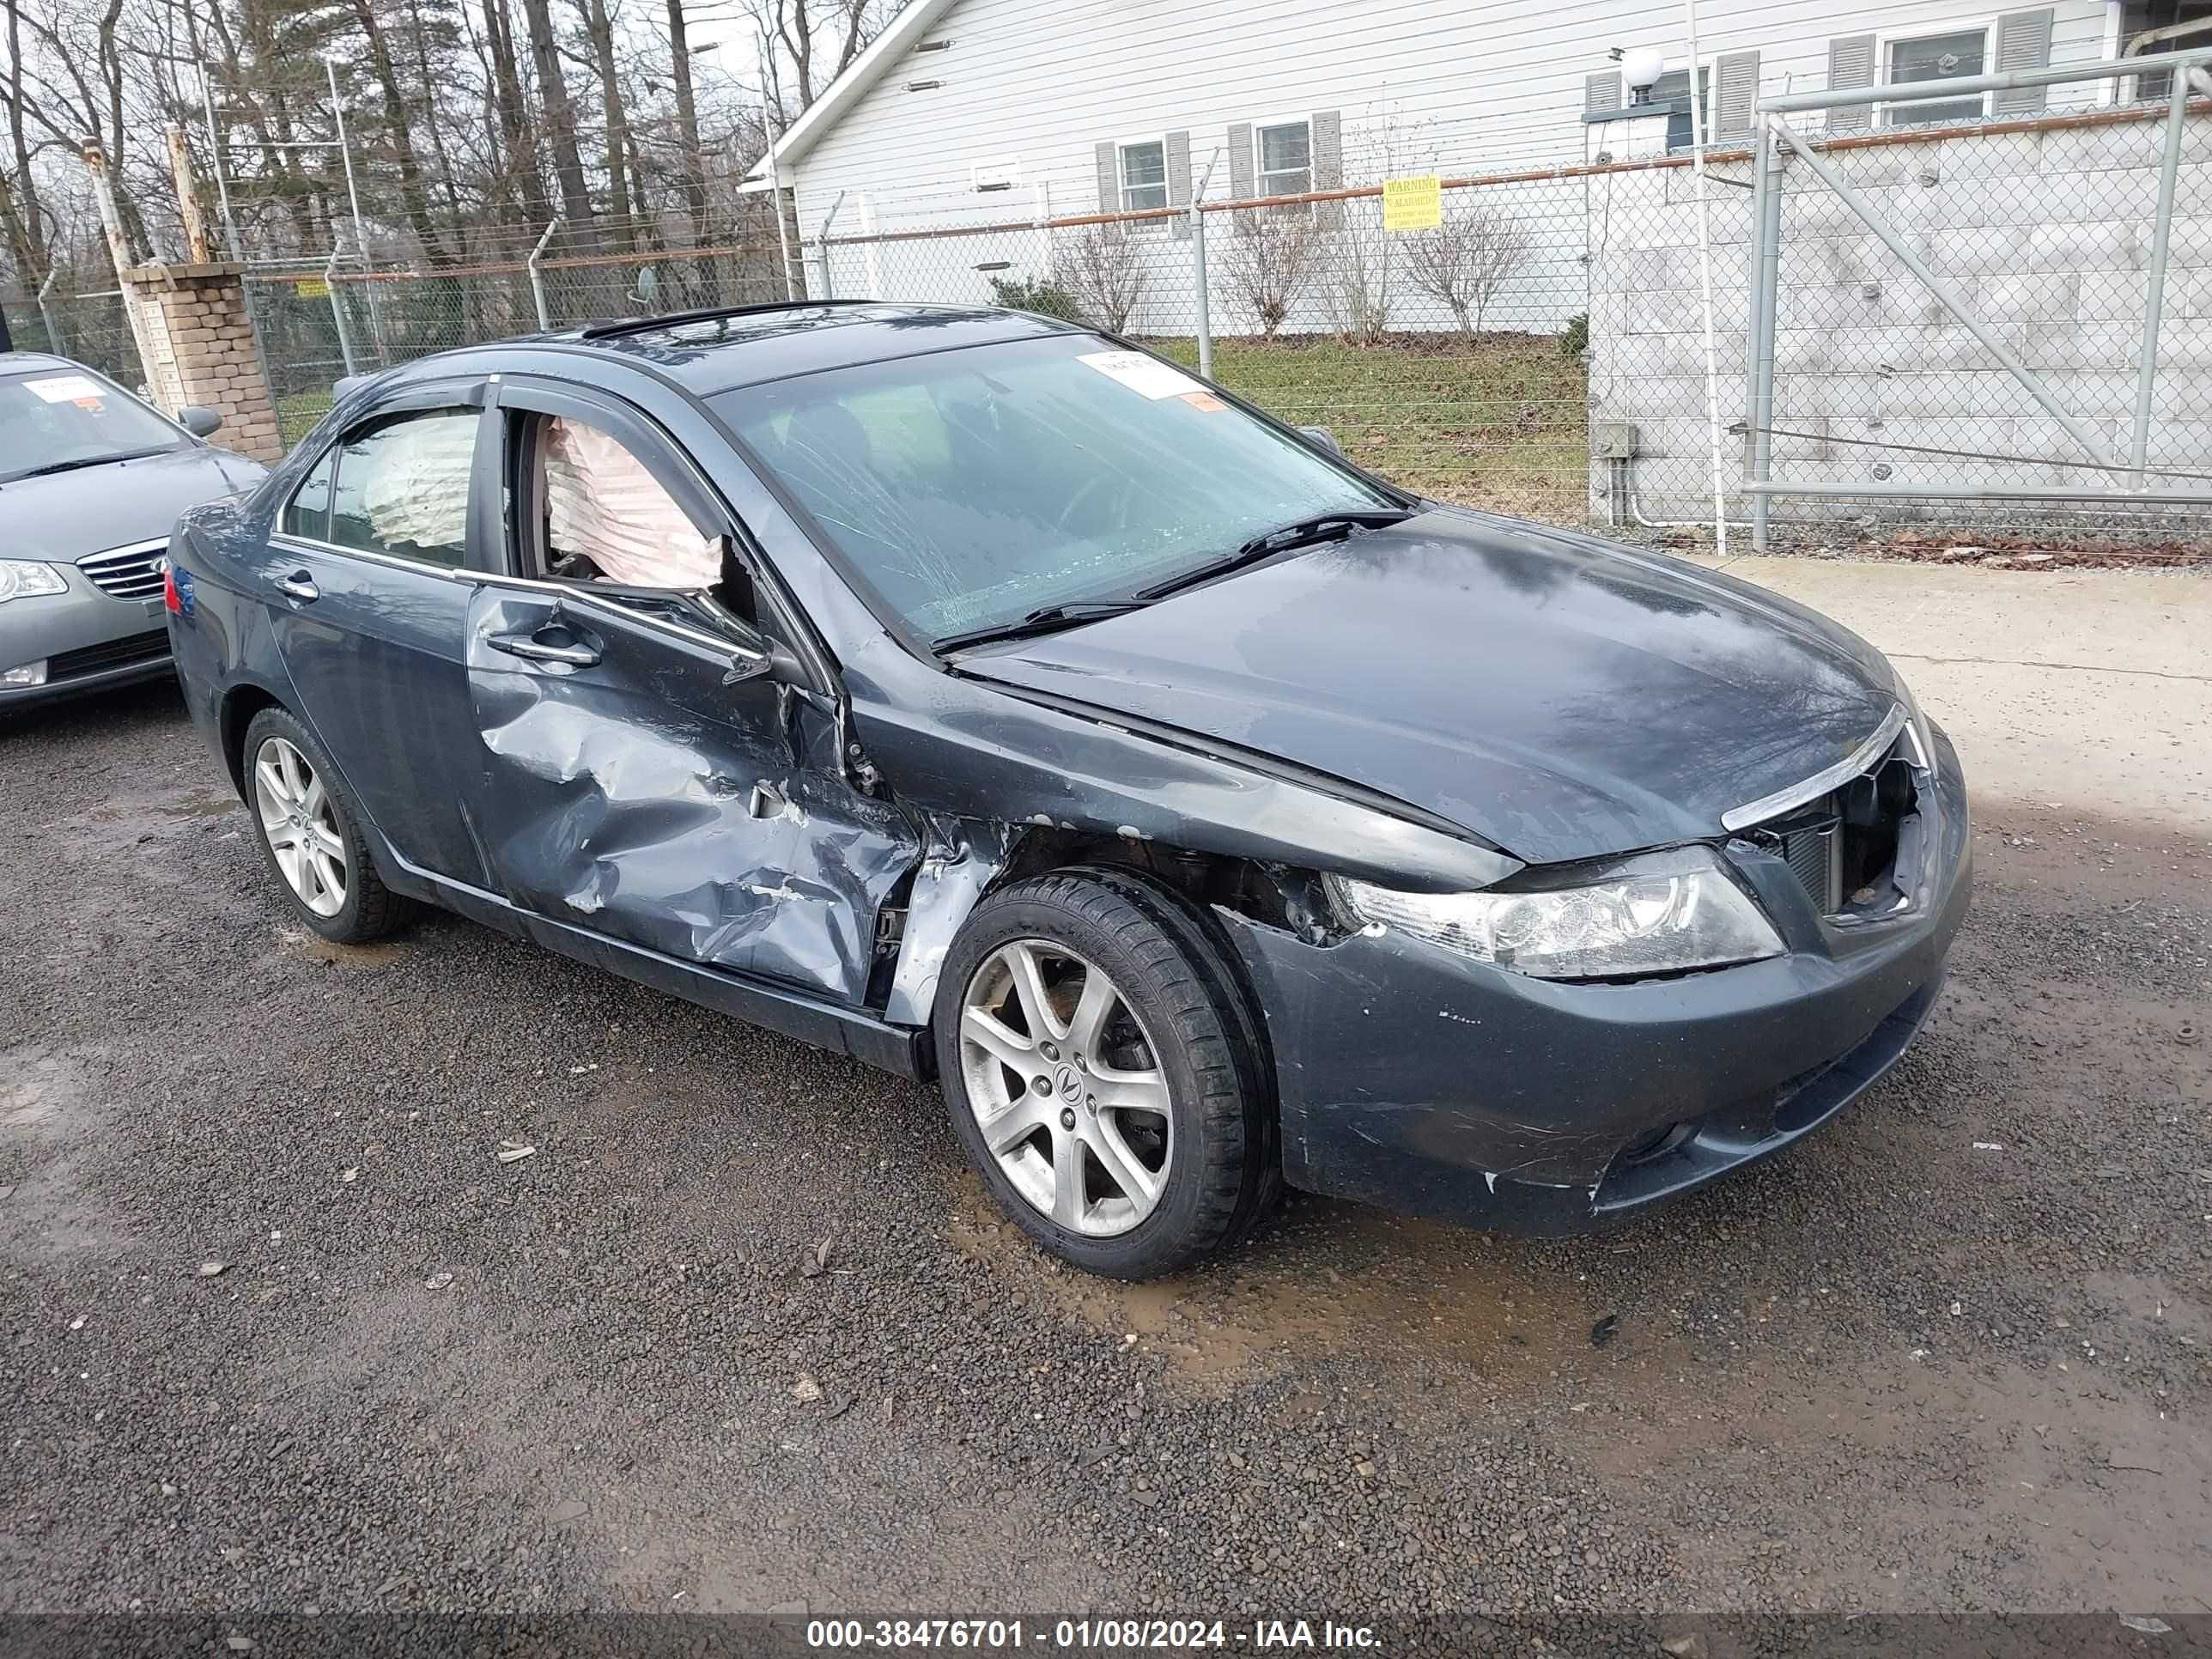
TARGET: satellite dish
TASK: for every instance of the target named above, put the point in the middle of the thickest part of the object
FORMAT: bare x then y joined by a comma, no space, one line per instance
649,289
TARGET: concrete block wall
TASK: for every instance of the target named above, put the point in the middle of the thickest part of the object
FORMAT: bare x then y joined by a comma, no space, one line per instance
2046,235
200,349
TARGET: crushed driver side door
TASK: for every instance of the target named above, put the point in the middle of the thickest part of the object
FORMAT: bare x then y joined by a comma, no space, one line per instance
661,776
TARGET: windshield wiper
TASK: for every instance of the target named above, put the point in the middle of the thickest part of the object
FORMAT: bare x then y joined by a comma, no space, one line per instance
83,461
1047,619
1301,533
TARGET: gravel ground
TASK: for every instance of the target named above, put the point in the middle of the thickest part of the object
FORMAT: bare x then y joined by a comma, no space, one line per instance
283,1333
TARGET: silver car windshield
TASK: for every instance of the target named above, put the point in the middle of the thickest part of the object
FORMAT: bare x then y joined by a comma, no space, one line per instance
971,488
68,417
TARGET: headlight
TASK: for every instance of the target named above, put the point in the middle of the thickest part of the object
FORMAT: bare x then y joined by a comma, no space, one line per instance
22,579
1659,914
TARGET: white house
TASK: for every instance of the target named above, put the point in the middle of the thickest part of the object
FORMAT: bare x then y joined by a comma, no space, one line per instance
971,109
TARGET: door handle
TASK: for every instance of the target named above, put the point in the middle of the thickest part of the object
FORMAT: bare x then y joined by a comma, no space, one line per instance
300,585
578,655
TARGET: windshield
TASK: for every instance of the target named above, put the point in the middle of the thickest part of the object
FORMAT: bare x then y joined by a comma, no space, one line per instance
63,416
971,488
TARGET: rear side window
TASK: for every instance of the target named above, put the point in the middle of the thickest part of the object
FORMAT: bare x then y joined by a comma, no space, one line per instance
308,513
402,486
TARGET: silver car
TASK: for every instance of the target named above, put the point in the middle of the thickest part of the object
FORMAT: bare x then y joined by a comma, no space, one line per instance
91,479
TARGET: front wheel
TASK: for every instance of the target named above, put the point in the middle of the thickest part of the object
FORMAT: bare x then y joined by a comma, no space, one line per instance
1103,1073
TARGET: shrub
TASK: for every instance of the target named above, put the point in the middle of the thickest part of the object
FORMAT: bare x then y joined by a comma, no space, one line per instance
1041,294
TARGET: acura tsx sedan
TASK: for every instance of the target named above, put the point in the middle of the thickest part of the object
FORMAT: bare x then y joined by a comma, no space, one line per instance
989,700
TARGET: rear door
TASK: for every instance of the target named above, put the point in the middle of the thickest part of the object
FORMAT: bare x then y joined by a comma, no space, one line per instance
368,572
659,765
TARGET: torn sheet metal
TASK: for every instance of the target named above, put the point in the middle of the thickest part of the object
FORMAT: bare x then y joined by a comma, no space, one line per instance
952,876
641,796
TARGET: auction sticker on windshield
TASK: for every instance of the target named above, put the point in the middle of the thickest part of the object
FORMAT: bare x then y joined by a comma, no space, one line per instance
1145,375
69,389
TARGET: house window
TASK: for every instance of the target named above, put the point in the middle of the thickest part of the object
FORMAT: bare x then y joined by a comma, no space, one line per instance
1937,57
2139,17
1674,88
1144,176
1286,157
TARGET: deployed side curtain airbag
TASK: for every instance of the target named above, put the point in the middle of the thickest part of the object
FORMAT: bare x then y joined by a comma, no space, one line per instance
417,490
605,505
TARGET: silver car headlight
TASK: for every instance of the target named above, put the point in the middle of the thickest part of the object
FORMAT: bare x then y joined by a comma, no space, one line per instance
24,579
1662,914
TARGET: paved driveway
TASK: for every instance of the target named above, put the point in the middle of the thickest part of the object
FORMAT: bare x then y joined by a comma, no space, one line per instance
740,1334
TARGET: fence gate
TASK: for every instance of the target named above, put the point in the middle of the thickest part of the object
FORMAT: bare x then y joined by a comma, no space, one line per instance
1993,322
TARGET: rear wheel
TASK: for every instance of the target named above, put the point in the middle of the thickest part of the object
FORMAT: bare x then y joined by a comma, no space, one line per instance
311,833
1103,1074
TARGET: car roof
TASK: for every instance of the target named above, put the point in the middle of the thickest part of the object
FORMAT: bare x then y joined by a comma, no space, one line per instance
28,363
709,352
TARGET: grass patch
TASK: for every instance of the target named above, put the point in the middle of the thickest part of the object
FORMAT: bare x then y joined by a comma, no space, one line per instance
1499,421
297,413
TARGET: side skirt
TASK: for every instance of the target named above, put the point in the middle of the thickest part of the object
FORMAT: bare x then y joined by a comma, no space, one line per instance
899,1049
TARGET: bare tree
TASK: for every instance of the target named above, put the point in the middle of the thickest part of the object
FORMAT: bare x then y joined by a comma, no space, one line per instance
1104,266
1465,260
1270,264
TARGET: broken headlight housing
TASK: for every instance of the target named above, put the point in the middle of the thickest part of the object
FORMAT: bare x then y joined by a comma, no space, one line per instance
24,579
1662,913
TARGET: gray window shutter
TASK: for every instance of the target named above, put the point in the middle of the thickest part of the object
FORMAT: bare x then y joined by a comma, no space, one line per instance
1602,93
1179,181
1850,63
1735,90
1110,180
1241,187
1325,131
2023,42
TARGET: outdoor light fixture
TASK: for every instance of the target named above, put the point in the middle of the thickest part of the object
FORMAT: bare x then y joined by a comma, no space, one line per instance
1641,67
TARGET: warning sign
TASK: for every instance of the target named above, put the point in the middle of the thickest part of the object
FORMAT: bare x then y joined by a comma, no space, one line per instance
312,287
1413,204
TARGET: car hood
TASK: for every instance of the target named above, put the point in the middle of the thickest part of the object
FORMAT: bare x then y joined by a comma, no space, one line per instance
66,515
1558,697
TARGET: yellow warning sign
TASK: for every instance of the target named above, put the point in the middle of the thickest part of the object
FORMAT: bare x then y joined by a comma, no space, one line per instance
312,287
1413,204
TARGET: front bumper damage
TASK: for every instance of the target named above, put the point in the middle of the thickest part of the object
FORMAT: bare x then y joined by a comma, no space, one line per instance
1415,1078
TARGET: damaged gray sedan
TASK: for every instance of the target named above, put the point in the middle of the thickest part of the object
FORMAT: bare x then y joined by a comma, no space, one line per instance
988,700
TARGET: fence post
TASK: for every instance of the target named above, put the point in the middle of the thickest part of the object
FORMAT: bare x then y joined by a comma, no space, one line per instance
1765,284
538,276
1204,317
822,247
874,253
2155,283
337,309
1198,276
57,342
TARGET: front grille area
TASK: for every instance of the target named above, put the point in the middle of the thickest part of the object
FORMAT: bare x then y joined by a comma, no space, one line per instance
127,572
1843,848
132,648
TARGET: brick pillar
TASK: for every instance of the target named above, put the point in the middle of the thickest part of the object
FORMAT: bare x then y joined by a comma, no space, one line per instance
199,348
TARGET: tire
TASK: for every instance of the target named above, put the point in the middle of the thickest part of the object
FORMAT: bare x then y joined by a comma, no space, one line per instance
367,909
1155,1186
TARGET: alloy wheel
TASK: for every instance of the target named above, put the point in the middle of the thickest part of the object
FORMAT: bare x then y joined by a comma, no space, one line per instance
1066,1087
301,825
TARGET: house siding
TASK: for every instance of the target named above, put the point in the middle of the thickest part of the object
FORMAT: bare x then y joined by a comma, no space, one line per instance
1421,85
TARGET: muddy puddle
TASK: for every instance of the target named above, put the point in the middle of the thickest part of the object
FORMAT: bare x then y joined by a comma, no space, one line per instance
1333,1279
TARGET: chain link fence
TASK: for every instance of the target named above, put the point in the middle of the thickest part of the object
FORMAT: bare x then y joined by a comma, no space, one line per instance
91,328
1450,359
1997,334
319,321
